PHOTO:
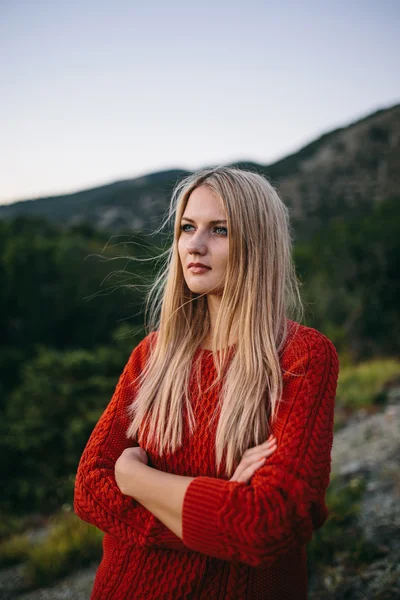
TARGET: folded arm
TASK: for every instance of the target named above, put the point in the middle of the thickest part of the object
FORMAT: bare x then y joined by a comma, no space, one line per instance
97,499
285,500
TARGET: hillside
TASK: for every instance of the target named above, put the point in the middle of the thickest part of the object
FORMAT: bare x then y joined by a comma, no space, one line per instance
346,172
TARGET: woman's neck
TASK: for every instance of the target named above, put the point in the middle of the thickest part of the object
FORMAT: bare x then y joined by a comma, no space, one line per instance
207,342
214,303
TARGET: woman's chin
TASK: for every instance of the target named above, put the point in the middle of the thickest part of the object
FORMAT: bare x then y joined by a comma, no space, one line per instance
205,290
199,289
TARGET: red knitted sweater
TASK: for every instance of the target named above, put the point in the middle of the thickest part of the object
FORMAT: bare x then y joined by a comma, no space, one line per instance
240,541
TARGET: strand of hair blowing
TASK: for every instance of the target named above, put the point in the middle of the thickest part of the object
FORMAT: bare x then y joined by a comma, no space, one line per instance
261,292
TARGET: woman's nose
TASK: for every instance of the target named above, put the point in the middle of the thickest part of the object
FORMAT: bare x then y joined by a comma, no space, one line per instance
197,249
196,245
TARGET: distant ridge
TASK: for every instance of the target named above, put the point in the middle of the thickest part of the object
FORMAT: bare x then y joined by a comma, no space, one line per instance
344,172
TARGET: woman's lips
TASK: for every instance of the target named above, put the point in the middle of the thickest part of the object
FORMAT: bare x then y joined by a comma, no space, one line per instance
198,270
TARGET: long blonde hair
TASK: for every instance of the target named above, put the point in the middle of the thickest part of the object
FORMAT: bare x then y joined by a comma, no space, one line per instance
260,293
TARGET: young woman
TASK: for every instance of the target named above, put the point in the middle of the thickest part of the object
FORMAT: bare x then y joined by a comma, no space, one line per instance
208,470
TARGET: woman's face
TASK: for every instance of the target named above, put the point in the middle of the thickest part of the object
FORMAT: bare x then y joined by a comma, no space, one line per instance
204,239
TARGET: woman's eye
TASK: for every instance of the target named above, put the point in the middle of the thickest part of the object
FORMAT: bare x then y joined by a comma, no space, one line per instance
221,230
183,227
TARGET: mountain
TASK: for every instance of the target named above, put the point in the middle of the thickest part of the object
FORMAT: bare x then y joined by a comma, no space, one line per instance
129,204
344,173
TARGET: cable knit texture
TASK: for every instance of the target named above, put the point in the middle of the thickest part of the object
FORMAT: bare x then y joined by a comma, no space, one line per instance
240,541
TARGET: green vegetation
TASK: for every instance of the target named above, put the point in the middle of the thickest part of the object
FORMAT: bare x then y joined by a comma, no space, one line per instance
14,550
68,545
71,544
351,283
72,318
364,385
341,539
333,537
45,437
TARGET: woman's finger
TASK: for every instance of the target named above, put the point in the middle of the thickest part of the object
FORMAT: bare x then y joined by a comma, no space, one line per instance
258,453
249,465
255,449
246,474
249,472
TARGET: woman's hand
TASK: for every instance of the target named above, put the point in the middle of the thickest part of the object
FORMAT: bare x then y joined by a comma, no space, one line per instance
253,459
125,466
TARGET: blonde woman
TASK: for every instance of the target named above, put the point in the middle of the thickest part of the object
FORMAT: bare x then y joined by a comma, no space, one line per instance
208,469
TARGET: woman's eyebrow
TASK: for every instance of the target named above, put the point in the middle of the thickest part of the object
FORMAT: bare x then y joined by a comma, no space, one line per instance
211,222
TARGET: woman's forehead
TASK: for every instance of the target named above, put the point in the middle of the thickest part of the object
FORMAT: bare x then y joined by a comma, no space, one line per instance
203,203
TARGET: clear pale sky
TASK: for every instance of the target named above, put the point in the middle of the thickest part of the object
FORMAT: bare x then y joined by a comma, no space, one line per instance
93,91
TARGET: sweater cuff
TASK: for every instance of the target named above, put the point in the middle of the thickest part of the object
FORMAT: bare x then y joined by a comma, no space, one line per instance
202,503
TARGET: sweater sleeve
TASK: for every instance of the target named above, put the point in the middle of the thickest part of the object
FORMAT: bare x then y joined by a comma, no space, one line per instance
284,502
97,498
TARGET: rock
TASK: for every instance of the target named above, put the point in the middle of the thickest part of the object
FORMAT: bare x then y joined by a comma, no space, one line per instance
11,582
77,586
369,447
367,443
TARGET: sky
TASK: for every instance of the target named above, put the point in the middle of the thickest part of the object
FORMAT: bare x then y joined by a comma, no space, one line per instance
93,92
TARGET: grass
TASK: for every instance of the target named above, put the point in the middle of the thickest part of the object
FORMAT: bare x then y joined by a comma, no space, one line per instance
70,544
12,524
365,384
339,534
341,541
14,550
